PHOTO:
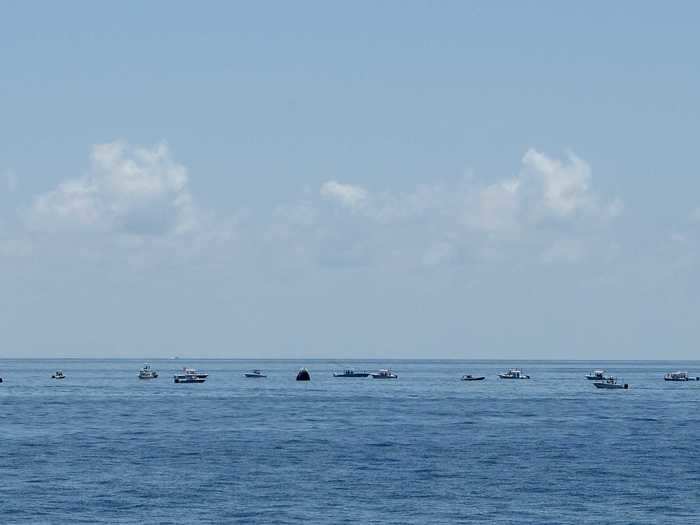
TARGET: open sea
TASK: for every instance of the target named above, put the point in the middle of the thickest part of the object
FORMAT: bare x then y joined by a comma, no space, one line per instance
103,446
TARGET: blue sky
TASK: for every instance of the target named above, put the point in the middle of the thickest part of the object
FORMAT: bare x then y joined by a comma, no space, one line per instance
375,179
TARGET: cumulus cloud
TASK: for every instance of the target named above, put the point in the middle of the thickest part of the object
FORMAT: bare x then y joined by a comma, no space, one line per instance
346,194
546,189
128,189
545,206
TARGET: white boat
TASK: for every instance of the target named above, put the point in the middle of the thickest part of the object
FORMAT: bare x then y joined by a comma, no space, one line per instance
58,375
610,383
514,373
147,372
679,376
596,375
190,375
384,373
255,373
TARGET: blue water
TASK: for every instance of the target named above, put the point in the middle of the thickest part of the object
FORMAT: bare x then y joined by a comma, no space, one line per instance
104,447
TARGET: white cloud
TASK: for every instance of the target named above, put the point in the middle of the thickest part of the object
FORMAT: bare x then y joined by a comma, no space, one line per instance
134,190
548,207
347,194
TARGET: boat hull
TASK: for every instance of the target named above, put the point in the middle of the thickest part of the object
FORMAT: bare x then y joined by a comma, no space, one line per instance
255,376
356,374
480,378
510,377
608,386
189,379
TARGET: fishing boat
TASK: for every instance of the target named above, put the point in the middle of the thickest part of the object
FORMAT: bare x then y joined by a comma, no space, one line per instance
469,377
384,373
147,372
610,383
350,373
190,375
303,375
514,373
679,376
596,375
255,373
58,375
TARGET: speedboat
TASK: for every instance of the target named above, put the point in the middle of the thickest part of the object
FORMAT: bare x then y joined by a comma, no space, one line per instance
190,375
596,375
610,383
679,376
303,375
350,373
58,375
255,373
147,372
469,377
384,373
514,373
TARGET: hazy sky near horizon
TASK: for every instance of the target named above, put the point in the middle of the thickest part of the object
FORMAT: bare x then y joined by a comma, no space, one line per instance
367,179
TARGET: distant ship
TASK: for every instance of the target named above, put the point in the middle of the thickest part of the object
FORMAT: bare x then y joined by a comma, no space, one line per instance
679,376
190,375
350,373
255,373
147,372
596,375
385,373
610,383
514,373
469,377
58,375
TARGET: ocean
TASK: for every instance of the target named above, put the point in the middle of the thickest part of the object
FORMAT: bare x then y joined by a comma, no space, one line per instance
103,446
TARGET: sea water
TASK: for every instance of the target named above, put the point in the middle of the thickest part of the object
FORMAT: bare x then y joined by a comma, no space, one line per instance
103,446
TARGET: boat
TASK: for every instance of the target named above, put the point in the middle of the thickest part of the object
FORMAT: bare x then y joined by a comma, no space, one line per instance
147,372
596,375
303,375
255,373
679,376
469,377
350,373
190,375
58,375
514,373
384,373
610,383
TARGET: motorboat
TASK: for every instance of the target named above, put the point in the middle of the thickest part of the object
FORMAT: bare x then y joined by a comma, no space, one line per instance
147,372
303,375
596,375
350,373
58,375
190,375
514,373
469,377
255,373
610,383
384,373
679,376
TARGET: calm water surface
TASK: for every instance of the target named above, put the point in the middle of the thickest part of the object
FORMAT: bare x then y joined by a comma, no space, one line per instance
103,447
